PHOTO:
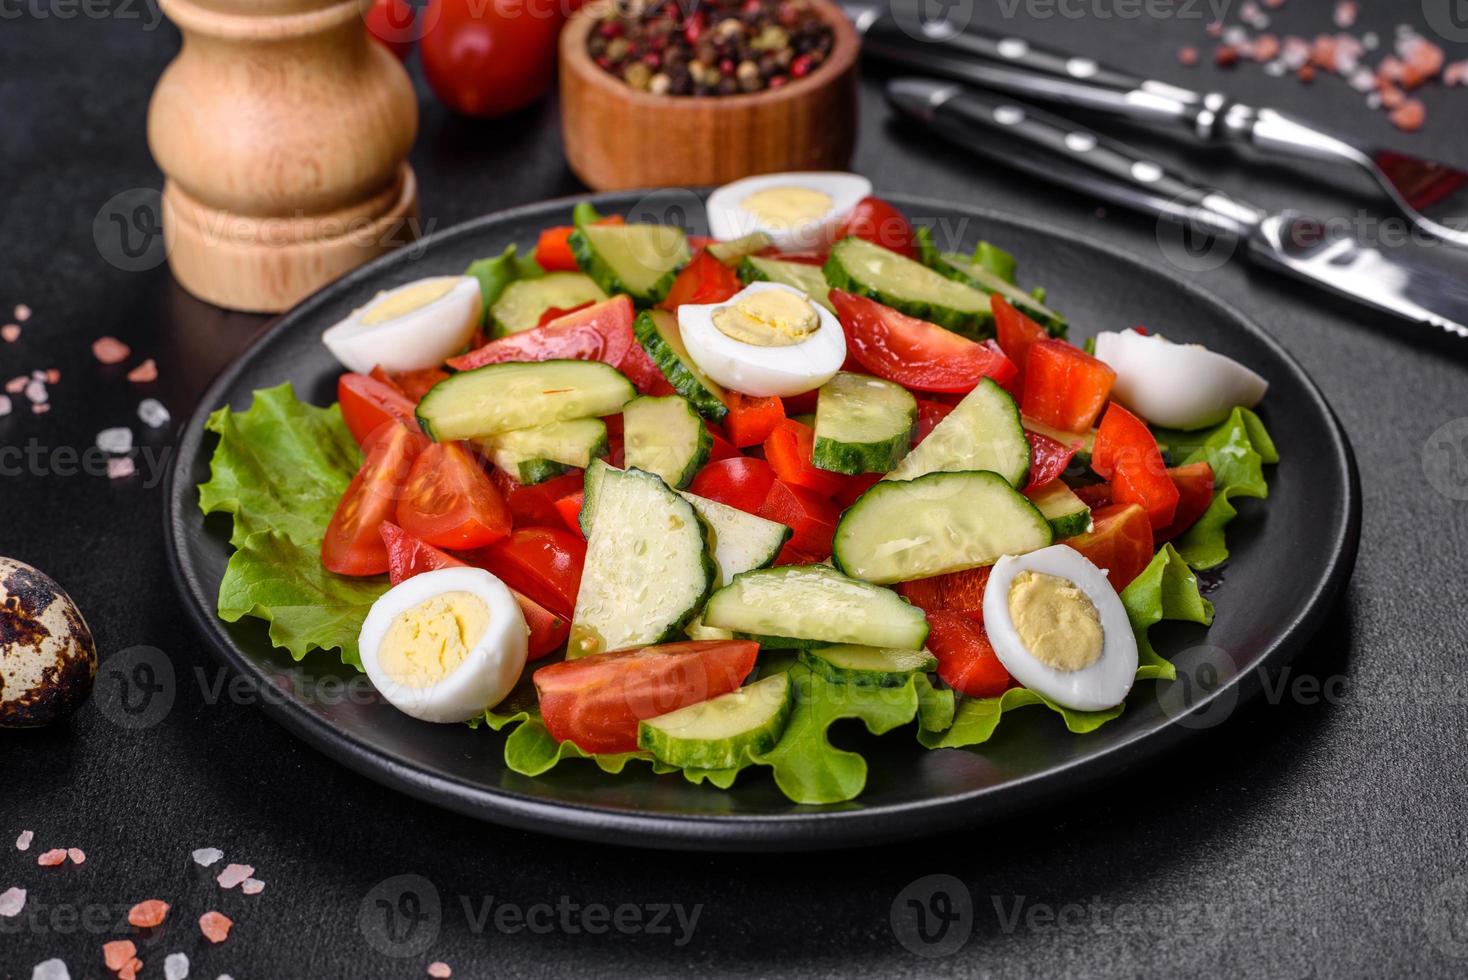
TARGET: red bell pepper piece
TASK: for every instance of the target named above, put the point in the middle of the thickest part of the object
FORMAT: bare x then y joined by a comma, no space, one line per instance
957,592
741,482
1064,386
811,517
553,248
788,450
703,280
914,353
722,448
1194,484
1015,332
569,507
1126,454
555,312
751,420
1120,542
1048,459
966,660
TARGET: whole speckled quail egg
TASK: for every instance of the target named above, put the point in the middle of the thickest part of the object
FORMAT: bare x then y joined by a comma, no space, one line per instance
47,658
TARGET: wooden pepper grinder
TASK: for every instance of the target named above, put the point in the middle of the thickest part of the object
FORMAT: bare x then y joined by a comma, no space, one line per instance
282,131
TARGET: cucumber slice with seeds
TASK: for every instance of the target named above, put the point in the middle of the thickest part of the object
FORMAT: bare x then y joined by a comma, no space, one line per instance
1068,514
721,732
983,432
657,332
861,267
520,306
797,606
863,424
868,666
640,260
901,530
647,568
809,279
735,249
665,436
546,451
962,269
502,397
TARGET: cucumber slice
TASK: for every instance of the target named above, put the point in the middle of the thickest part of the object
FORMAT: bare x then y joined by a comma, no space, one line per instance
1085,441
809,279
734,249
1068,514
520,306
863,424
901,530
501,397
796,606
657,332
970,273
983,432
721,732
639,260
647,568
546,451
859,266
665,436
868,666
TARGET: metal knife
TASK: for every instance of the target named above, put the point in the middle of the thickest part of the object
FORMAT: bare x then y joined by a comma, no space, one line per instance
1056,149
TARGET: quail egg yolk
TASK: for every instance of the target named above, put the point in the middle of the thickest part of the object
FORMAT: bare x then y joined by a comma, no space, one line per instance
406,300
782,208
1056,621
429,641
768,318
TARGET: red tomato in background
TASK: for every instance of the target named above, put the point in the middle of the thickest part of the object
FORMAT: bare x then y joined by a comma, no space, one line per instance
394,24
352,544
874,220
542,562
449,501
488,58
966,660
368,404
1120,541
596,702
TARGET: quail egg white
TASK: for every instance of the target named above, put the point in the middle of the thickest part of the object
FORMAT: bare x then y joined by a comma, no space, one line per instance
767,339
1180,386
409,328
799,211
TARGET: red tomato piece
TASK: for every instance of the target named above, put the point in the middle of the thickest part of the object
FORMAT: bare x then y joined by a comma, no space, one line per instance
534,504
914,353
1194,484
1048,459
1119,542
703,280
1064,386
930,413
553,313
368,404
957,592
811,517
569,507
450,502
788,450
352,544
966,660
543,562
553,250
598,332
751,420
874,220
1015,332
1126,453
488,58
741,482
596,702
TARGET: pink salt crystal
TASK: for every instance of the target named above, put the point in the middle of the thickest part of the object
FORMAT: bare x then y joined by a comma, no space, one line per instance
144,372
53,857
233,874
12,900
110,350
10,333
35,391
53,375
1345,13
23,842
40,408
1409,116
77,855
22,312
1266,47
16,385
440,970
1215,28
1187,56
120,467
252,886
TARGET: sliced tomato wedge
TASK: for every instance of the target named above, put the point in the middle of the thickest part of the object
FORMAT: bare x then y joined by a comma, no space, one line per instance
788,450
1048,459
543,562
352,544
930,413
751,420
569,507
966,659
598,332
956,592
1194,484
1064,386
1119,542
741,482
407,556
596,702
811,517
914,353
1126,453
450,502
703,280
874,220
368,404
1015,332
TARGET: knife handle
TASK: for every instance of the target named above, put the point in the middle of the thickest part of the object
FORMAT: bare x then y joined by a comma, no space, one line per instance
1059,150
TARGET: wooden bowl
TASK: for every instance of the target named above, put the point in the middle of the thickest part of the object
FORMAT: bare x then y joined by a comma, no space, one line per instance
617,137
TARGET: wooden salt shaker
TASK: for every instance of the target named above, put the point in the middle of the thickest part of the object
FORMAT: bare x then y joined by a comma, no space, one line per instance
282,131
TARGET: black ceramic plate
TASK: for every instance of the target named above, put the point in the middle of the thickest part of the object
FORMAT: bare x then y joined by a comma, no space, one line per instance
1291,556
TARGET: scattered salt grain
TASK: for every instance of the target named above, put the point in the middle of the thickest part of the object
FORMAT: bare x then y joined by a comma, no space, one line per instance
439,970
204,856
1276,68
120,467
233,874
50,970
1187,56
1215,29
1362,80
1345,13
22,312
52,858
40,408
176,967
53,375
118,953
144,373
16,385
77,855
35,392
1456,73
215,926
1409,116
252,886
1371,40
110,350
148,914
155,416
12,900
1234,35
130,969
117,441
5,409
23,842
10,333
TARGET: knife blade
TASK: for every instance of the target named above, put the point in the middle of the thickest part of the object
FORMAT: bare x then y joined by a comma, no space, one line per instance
1061,151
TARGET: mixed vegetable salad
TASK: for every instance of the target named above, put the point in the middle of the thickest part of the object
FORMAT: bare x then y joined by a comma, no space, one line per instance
645,496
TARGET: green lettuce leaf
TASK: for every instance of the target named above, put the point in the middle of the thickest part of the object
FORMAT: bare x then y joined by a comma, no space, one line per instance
584,213
279,469
1167,589
996,260
495,273
1238,449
